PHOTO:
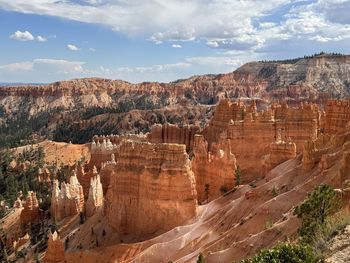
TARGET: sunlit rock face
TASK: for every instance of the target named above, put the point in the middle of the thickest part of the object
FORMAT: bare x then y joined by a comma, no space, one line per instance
214,170
251,131
279,152
169,133
67,201
95,198
152,190
337,115
30,212
55,250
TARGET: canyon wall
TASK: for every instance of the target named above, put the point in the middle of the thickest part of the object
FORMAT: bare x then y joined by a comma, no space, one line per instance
279,152
169,133
152,190
337,115
214,170
312,79
251,131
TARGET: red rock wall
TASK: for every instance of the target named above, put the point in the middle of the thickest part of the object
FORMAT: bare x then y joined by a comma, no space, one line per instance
251,131
30,212
55,250
152,190
169,133
214,170
337,115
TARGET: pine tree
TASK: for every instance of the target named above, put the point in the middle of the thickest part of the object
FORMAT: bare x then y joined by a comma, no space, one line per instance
314,211
200,258
238,175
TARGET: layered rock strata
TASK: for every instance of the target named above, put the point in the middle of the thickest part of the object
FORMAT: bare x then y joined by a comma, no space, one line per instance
31,211
153,188
337,115
214,170
251,131
95,199
67,201
280,151
169,133
55,249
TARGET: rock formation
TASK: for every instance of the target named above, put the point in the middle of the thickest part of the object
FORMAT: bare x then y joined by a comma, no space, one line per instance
169,133
55,249
153,188
30,212
183,101
214,170
20,242
67,201
280,151
95,199
251,131
337,115
18,203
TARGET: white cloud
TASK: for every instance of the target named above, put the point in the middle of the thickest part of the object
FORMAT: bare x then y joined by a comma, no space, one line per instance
41,39
44,70
222,24
22,36
176,46
27,36
92,49
72,47
175,20
14,67
59,66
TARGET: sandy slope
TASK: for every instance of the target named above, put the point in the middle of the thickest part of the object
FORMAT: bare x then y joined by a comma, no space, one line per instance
230,228
61,152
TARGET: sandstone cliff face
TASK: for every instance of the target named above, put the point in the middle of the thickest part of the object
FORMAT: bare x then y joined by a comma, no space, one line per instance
280,151
30,212
214,170
251,131
329,151
95,199
102,147
337,115
67,201
55,249
108,106
329,74
152,190
170,133
313,78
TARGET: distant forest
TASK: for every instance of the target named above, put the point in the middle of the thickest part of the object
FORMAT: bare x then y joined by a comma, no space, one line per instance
295,60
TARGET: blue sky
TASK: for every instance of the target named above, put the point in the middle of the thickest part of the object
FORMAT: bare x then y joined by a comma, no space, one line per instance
161,40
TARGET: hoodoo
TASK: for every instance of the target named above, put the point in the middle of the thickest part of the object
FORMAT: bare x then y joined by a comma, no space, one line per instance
67,201
153,188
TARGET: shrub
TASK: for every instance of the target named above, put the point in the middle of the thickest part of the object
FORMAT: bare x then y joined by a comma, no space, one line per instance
283,253
238,175
223,189
275,191
200,258
313,212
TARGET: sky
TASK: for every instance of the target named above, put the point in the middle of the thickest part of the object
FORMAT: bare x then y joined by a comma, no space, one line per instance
161,40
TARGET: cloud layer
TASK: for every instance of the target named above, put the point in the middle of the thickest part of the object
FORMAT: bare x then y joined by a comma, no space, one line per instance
234,31
234,25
